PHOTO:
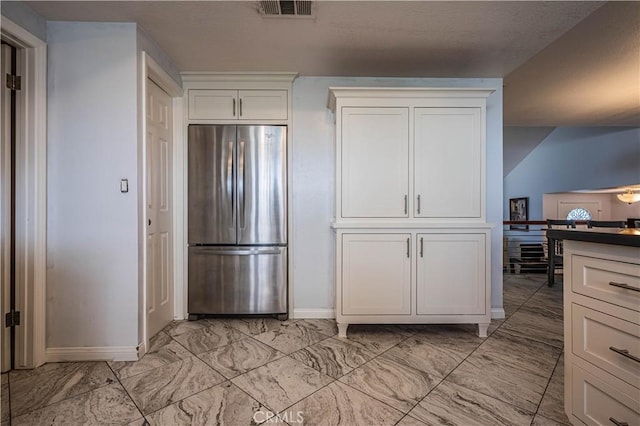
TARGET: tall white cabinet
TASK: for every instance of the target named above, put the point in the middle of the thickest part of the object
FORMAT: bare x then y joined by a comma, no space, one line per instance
412,242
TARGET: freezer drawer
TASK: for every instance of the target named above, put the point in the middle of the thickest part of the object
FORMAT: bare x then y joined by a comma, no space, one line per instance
237,280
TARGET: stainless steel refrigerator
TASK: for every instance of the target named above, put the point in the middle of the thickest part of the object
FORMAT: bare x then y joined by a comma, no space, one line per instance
237,220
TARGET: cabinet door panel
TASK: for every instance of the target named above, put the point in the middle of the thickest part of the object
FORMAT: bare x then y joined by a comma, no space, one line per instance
212,104
375,162
376,274
448,162
451,274
262,105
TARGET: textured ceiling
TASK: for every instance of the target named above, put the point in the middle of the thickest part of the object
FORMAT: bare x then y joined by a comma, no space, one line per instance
591,57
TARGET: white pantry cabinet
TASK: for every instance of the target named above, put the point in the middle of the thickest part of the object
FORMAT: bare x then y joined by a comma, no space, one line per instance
221,98
412,242
448,163
378,269
375,166
450,272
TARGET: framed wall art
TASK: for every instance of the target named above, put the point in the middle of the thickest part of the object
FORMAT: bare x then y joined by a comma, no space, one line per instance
519,211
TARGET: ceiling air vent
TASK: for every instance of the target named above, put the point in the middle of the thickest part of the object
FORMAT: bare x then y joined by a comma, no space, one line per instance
285,8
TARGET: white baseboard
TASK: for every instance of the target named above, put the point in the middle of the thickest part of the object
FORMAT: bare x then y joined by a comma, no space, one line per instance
497,313
314,313
96,353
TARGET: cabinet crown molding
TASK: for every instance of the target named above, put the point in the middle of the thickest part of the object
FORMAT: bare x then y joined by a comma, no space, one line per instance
239,77
406,93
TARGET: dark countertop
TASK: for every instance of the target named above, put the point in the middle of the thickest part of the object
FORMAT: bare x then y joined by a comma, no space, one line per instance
621,237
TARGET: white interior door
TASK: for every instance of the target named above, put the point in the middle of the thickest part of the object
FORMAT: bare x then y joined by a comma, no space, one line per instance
5,206
159,196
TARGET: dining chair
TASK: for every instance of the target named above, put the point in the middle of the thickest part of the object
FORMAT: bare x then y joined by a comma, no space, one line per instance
554,249
606,224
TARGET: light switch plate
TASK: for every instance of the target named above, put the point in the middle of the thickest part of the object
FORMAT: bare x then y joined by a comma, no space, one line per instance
124,185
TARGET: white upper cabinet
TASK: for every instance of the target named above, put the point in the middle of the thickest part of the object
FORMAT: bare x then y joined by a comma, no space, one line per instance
375,162
448,163
227,98
238,104
410,154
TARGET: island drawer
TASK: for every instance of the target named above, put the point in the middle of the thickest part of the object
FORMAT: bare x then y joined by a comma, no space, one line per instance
603,402
611,343
607,280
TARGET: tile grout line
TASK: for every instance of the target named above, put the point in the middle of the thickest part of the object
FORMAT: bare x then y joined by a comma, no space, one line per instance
547,387
68,397
128,394
472,352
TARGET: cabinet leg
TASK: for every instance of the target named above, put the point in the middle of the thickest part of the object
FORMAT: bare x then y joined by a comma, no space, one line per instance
482,330
342,330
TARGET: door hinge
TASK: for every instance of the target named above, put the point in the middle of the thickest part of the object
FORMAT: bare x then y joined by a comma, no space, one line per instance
12,319
14,82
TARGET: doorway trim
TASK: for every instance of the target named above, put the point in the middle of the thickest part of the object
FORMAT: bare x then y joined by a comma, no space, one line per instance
152,70
31,234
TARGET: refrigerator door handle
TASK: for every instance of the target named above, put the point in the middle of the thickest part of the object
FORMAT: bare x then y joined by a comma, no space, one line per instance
241,181
240,252
230,177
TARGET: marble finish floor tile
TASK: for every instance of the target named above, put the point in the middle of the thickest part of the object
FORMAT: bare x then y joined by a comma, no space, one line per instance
410,421
546,304
4,397
281,383
253,326
455,405
510,306
536,324
163,350
106,405
177,328
374,338
338,404
224,404
504,382
51,383
521,287
291,337
208,338
324,326
392,382
510,368
437,358
539,420
240,356
519,352
165,385
552,405
333,357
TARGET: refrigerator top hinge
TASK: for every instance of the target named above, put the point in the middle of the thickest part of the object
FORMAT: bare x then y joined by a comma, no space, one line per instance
12,319
14,82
